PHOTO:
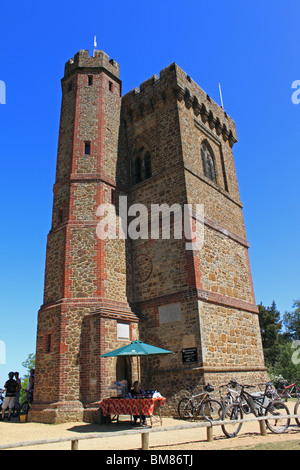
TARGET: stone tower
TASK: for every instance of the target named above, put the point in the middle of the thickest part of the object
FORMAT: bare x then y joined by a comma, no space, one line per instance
164,143
85,277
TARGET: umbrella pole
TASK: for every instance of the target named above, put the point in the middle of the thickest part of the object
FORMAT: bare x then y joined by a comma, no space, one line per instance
140,405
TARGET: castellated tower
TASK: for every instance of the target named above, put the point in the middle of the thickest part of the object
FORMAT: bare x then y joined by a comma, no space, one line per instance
164,143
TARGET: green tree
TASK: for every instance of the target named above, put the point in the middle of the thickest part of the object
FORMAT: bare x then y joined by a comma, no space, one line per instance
291,321
270,325
29,364
285,364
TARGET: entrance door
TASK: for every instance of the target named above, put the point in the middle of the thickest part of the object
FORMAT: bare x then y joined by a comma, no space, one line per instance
123,370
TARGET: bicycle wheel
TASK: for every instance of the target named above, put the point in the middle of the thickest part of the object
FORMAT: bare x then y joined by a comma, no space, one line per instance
232,413
296,410
185,408
24,408
212,410
280,425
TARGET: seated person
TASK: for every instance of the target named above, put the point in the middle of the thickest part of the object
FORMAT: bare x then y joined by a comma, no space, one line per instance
135,393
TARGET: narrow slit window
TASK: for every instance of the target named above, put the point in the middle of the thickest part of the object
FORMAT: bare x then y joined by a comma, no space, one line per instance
60,216
48,344
110,85
137,170
147,165
113,197
90,80
87,148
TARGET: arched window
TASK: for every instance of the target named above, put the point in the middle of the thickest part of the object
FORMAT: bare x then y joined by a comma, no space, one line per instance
137,170
147,165
208,162
141,165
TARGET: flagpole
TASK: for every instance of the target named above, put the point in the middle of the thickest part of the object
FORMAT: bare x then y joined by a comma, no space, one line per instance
222,104
95,45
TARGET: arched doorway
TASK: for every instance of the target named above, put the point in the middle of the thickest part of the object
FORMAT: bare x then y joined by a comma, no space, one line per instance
123,370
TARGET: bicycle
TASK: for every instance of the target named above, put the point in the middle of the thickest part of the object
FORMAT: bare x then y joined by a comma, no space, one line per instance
231,395
189,407
289,389
1,398
259,404
24,407
297,405
271,391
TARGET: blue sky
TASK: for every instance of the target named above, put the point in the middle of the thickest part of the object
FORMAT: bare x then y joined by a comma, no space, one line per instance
252,48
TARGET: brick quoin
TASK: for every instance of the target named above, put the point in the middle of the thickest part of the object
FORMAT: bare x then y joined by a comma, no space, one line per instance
169,296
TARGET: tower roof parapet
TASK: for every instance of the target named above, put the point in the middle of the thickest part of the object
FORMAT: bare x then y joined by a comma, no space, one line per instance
100,60
186,90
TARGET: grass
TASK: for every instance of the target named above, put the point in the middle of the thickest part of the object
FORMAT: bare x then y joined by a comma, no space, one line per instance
285,445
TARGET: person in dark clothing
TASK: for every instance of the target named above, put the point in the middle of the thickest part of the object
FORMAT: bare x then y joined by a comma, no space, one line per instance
138,392
17,397
11,389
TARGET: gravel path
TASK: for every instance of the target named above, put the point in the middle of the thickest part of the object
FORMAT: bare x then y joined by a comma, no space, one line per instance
191,439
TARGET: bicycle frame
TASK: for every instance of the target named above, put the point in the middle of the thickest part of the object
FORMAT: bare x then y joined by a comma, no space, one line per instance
231,396
286,391
197,404
255,403
189,407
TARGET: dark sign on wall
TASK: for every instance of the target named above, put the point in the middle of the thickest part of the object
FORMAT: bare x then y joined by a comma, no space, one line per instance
189,355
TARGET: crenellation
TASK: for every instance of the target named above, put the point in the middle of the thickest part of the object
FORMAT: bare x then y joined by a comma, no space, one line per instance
100,60
148,83
184,89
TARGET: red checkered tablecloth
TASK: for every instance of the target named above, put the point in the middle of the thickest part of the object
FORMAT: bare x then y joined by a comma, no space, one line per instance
130,406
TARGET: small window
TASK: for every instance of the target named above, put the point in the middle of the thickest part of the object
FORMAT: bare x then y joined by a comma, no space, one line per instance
111,86
87,148
48,344
69,86
147,165
208,162
137,170
113,197
141,165
60,217
90,80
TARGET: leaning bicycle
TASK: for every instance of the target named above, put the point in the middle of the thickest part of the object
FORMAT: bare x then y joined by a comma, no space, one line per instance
229,393
210,409
297,411
1,398
260,405
289,391
24,407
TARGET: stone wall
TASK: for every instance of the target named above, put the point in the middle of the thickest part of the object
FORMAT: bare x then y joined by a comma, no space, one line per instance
212,287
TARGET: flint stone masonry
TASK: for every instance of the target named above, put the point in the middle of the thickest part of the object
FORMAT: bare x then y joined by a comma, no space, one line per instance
102,293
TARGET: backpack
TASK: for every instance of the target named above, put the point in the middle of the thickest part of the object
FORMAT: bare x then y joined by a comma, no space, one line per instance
11,388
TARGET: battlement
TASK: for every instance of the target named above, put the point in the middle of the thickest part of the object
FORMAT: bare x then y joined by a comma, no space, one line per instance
174,84
100,61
